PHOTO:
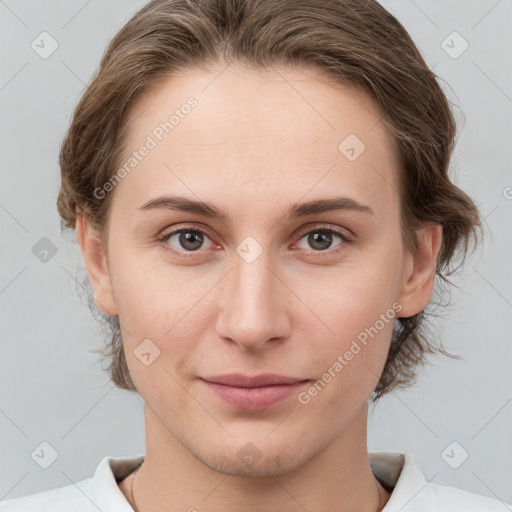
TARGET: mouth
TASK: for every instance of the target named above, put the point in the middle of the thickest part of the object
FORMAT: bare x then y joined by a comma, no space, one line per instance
254,392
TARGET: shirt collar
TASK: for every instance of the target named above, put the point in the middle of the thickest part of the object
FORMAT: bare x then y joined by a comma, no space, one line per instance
109,472
394,470
400,472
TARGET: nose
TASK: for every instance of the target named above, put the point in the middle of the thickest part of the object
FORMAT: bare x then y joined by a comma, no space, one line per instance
254,304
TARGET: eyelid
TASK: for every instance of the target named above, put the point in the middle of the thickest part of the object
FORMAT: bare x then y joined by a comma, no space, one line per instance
346,233
191,227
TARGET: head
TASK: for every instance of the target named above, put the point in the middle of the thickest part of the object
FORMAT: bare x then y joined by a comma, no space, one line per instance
253,107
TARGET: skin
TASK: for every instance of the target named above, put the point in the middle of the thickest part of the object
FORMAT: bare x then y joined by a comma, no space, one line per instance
257,143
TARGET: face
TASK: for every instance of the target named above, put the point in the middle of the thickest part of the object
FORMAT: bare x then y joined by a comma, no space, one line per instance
265,286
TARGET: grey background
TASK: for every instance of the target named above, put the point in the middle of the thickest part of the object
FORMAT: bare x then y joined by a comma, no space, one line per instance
53,388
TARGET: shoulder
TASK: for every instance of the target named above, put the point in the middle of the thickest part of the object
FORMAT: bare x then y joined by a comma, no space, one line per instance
72,496
413,493
99,492
439,498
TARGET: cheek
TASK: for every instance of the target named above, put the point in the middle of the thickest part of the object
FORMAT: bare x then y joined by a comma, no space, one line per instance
359,307
162,306
148,295
348,363
357,297
168,306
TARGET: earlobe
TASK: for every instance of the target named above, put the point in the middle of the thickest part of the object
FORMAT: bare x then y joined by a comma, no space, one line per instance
96,264
420,271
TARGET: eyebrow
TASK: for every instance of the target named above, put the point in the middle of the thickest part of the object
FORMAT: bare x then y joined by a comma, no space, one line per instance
183,204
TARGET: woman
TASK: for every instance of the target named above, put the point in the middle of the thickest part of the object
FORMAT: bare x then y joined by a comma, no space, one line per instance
260,193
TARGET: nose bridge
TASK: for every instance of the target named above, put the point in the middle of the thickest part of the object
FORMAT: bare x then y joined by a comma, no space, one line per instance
253,278
253,310
252,274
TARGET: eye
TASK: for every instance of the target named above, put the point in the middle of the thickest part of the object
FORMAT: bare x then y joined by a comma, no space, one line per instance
321,239
184,240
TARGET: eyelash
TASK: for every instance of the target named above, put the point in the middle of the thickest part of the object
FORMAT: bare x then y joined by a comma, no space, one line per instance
191,254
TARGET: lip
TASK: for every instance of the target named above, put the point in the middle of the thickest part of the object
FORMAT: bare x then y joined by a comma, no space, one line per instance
240,380
254,392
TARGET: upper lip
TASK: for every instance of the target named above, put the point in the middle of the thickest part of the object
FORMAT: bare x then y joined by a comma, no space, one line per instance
245,381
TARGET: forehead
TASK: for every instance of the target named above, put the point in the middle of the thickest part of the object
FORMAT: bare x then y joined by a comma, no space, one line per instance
280,130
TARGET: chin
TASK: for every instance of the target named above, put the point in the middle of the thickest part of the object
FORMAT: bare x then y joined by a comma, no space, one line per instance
265,466
253,457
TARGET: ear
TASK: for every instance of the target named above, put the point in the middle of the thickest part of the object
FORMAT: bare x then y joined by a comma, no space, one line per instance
96,264
420,271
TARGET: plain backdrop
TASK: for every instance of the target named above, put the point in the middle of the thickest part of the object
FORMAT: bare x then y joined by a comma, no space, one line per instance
53,388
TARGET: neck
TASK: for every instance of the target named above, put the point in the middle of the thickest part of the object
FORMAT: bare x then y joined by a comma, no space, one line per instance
339,477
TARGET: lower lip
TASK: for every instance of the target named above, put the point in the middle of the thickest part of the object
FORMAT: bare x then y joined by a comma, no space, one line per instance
255,398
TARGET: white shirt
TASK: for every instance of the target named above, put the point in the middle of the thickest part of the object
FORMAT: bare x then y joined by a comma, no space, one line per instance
411,492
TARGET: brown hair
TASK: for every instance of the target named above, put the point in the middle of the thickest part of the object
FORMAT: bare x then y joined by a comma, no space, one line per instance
356,42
